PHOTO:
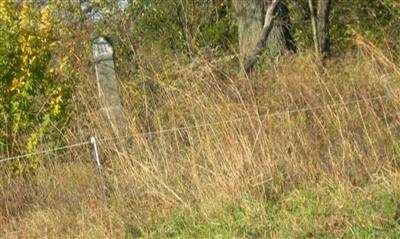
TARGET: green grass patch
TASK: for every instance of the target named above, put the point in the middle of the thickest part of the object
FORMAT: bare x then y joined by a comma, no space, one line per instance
320,211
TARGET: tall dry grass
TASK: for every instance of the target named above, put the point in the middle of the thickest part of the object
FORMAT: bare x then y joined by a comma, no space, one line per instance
146,178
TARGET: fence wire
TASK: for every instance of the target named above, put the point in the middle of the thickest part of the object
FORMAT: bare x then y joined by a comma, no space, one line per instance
204,125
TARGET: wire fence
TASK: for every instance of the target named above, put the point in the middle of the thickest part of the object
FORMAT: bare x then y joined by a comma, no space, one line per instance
94,141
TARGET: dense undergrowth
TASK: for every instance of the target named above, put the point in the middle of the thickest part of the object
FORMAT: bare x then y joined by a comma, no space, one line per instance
297,150
325,165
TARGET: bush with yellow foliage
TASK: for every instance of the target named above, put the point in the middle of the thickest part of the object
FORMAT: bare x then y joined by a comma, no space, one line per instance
32,100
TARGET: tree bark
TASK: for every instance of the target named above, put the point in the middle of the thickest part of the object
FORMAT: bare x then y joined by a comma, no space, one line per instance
251,16
281,39
323,14
314,27
265,33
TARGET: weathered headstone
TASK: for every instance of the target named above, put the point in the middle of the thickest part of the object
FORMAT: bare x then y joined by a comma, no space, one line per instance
110,101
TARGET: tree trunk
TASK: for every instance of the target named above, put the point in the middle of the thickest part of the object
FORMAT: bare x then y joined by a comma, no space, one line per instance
251,16
264,36
324,8
314,27
281,39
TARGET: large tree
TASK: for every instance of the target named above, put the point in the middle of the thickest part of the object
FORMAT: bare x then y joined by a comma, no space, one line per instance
323,26
281,39
254,24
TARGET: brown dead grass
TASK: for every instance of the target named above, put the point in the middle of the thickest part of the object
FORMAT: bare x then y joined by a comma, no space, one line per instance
148,178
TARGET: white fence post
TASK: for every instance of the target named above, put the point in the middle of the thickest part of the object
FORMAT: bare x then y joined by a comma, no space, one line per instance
96,151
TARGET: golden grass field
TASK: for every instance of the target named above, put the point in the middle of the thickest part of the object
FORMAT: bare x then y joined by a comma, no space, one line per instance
329,171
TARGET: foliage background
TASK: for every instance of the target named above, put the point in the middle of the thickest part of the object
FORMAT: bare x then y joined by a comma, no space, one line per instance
33,97
328,172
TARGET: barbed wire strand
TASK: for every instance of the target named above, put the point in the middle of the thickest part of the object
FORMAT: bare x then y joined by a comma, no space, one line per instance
165,131
45,151
244,118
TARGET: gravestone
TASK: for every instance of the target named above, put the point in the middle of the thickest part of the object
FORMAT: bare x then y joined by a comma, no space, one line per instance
111,107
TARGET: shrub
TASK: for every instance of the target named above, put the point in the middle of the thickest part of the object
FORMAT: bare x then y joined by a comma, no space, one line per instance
32,101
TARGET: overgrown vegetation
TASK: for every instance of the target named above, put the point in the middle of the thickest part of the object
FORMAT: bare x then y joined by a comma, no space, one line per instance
314,154
33,97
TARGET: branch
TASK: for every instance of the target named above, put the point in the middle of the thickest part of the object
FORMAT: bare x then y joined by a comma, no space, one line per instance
266,30
314,27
